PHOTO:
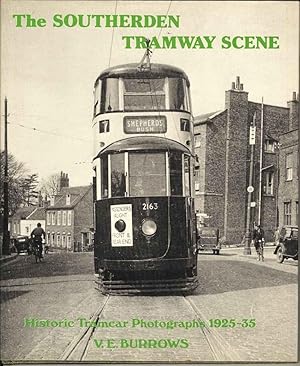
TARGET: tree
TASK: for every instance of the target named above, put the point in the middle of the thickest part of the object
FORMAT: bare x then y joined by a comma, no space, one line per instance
17,174
29,186
50,186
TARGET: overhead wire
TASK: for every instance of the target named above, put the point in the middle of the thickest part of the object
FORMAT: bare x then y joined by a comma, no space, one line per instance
47,132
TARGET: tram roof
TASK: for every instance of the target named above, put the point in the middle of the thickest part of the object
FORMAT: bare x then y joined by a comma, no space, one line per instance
133,69
141,143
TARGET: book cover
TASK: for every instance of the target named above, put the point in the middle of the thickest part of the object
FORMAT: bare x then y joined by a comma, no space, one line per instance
156,143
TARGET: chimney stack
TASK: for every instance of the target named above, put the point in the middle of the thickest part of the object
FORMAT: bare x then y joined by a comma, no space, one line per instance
63,181
237,85
293,106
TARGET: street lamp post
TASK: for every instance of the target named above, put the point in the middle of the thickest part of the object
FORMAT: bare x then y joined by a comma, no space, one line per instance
250,189
6,238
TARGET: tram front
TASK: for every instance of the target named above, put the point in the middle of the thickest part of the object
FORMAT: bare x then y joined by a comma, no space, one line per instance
144,209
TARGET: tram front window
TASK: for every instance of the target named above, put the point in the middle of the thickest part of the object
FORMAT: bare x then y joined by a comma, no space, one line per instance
147,174
118,184
144,94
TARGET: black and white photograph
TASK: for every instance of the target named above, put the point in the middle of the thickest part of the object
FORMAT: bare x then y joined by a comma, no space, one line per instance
149,182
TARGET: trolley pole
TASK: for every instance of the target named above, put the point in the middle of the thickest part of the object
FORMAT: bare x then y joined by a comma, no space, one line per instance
6,239
250,189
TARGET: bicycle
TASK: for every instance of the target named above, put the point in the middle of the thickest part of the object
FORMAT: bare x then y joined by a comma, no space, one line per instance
37,252
259,246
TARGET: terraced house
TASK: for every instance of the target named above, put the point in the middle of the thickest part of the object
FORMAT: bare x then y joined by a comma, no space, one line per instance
69,218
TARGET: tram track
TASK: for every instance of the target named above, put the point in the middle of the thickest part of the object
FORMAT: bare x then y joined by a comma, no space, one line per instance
220,348
78,347
217,345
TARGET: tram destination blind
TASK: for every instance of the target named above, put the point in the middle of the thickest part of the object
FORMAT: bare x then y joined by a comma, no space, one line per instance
143,124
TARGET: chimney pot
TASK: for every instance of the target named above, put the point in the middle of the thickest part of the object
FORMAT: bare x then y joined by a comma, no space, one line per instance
233,85
242,87
238,82
294,96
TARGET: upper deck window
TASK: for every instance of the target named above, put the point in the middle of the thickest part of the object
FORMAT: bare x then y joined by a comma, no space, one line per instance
144,94
109,95
178,94
97,98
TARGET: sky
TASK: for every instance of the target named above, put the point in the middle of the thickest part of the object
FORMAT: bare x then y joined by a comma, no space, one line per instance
48,73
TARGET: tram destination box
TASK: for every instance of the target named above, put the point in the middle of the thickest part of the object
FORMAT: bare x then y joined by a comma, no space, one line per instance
145,124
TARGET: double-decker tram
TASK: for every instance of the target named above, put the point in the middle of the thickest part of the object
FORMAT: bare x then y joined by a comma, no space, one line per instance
145,236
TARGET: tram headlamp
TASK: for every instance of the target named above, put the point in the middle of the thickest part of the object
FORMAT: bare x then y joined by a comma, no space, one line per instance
149,227
120,225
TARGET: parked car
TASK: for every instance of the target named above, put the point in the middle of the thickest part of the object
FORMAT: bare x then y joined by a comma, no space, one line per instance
22,244
208,239
288,243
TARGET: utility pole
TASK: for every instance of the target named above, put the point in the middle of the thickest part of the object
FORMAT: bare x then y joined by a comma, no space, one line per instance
250,189
261,161
6,239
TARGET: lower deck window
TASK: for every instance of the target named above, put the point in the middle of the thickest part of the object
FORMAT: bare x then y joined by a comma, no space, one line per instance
118,186
147,174
152,173
176,173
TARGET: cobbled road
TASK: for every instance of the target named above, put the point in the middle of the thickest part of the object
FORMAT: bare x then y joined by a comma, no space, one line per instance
232,287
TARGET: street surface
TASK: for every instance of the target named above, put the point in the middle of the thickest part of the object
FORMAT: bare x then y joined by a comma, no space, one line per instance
232,287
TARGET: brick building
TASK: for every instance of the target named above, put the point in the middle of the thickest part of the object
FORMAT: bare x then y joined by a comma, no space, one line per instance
289,168
69,218
224,154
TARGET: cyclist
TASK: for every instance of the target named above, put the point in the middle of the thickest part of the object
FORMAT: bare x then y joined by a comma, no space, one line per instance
37,236
258,239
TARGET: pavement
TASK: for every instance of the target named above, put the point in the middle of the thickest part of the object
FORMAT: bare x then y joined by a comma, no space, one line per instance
8,258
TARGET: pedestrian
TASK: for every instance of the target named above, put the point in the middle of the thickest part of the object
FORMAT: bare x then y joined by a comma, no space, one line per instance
276,236
258,239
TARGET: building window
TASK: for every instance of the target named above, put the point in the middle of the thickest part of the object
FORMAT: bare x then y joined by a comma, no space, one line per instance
289,166
63,241
269,183
69,218
58,240
69,241
52,238
58,217
269,145
197,173
197,141
287,213
15,228
48,238
52,201
48,218
297,212
197,187
53,218
68,199
64,218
